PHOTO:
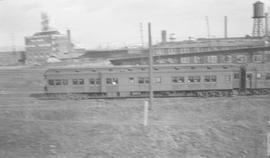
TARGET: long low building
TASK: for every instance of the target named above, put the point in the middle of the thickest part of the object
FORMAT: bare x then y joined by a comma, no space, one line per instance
8,58
239,55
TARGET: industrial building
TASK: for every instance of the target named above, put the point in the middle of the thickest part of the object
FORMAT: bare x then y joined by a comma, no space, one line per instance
238,56
47,45
212,50
8,58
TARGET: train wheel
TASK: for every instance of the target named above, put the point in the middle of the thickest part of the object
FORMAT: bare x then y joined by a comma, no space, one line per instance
263,92
219,94
62,96
205,94
211,94
216,94
199,94
223,94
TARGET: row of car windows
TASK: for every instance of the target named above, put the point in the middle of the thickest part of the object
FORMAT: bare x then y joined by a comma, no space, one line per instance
141,80
265,76
240,58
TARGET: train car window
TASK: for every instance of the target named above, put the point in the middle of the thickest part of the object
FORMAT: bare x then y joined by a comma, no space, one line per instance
212,59
140,80
257,58
115,81
185,60
158,80
190,79
112,81
81,81
109,81
174,79
57,82
98,81
74,81
178,79
146,79
131,80
228,78
92,81
213,78
197,59
227,58
65,82
51,82
143,80
259,76
197,79
181,79
241,59
206,78
267,76
78,81
236,76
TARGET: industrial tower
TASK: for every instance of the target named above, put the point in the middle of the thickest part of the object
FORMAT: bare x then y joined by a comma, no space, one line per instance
259,17
44,22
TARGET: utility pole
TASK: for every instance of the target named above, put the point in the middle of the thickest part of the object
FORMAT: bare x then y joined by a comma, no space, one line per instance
150,67
207,25
141,34
225,27
266,24
13,44
268,145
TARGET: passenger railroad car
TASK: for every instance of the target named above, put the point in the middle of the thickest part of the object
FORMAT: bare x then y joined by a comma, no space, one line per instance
133,81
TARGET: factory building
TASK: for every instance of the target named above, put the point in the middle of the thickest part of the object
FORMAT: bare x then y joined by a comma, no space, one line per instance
47,45
204,50
205,44
255,48
236,56
8,58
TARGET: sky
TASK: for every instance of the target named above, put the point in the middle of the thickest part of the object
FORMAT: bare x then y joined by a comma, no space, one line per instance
116,23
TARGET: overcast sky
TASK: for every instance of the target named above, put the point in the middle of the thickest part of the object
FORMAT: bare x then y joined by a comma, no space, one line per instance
112,23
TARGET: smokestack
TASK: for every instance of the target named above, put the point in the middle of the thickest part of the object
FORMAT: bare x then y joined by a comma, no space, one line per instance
69,40
225,27
68,35
266,24
163,36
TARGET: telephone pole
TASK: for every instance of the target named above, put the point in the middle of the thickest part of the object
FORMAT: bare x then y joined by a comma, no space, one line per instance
150,67
141,34
208,27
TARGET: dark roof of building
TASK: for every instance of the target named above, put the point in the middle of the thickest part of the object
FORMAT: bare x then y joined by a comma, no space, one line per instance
53,32
125,68
198,53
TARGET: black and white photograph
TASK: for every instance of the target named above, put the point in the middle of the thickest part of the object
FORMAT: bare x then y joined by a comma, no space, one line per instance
134,79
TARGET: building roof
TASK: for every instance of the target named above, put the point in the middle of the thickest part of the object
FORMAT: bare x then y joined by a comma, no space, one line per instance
140,68
52,32
197,53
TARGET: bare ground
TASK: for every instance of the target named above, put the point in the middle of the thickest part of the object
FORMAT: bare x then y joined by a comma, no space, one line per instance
178,127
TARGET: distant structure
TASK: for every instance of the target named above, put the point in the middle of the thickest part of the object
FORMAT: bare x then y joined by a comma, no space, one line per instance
258,17
141,35
266,24
163,36
44,22
225,27
49,45
208,27
239,50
